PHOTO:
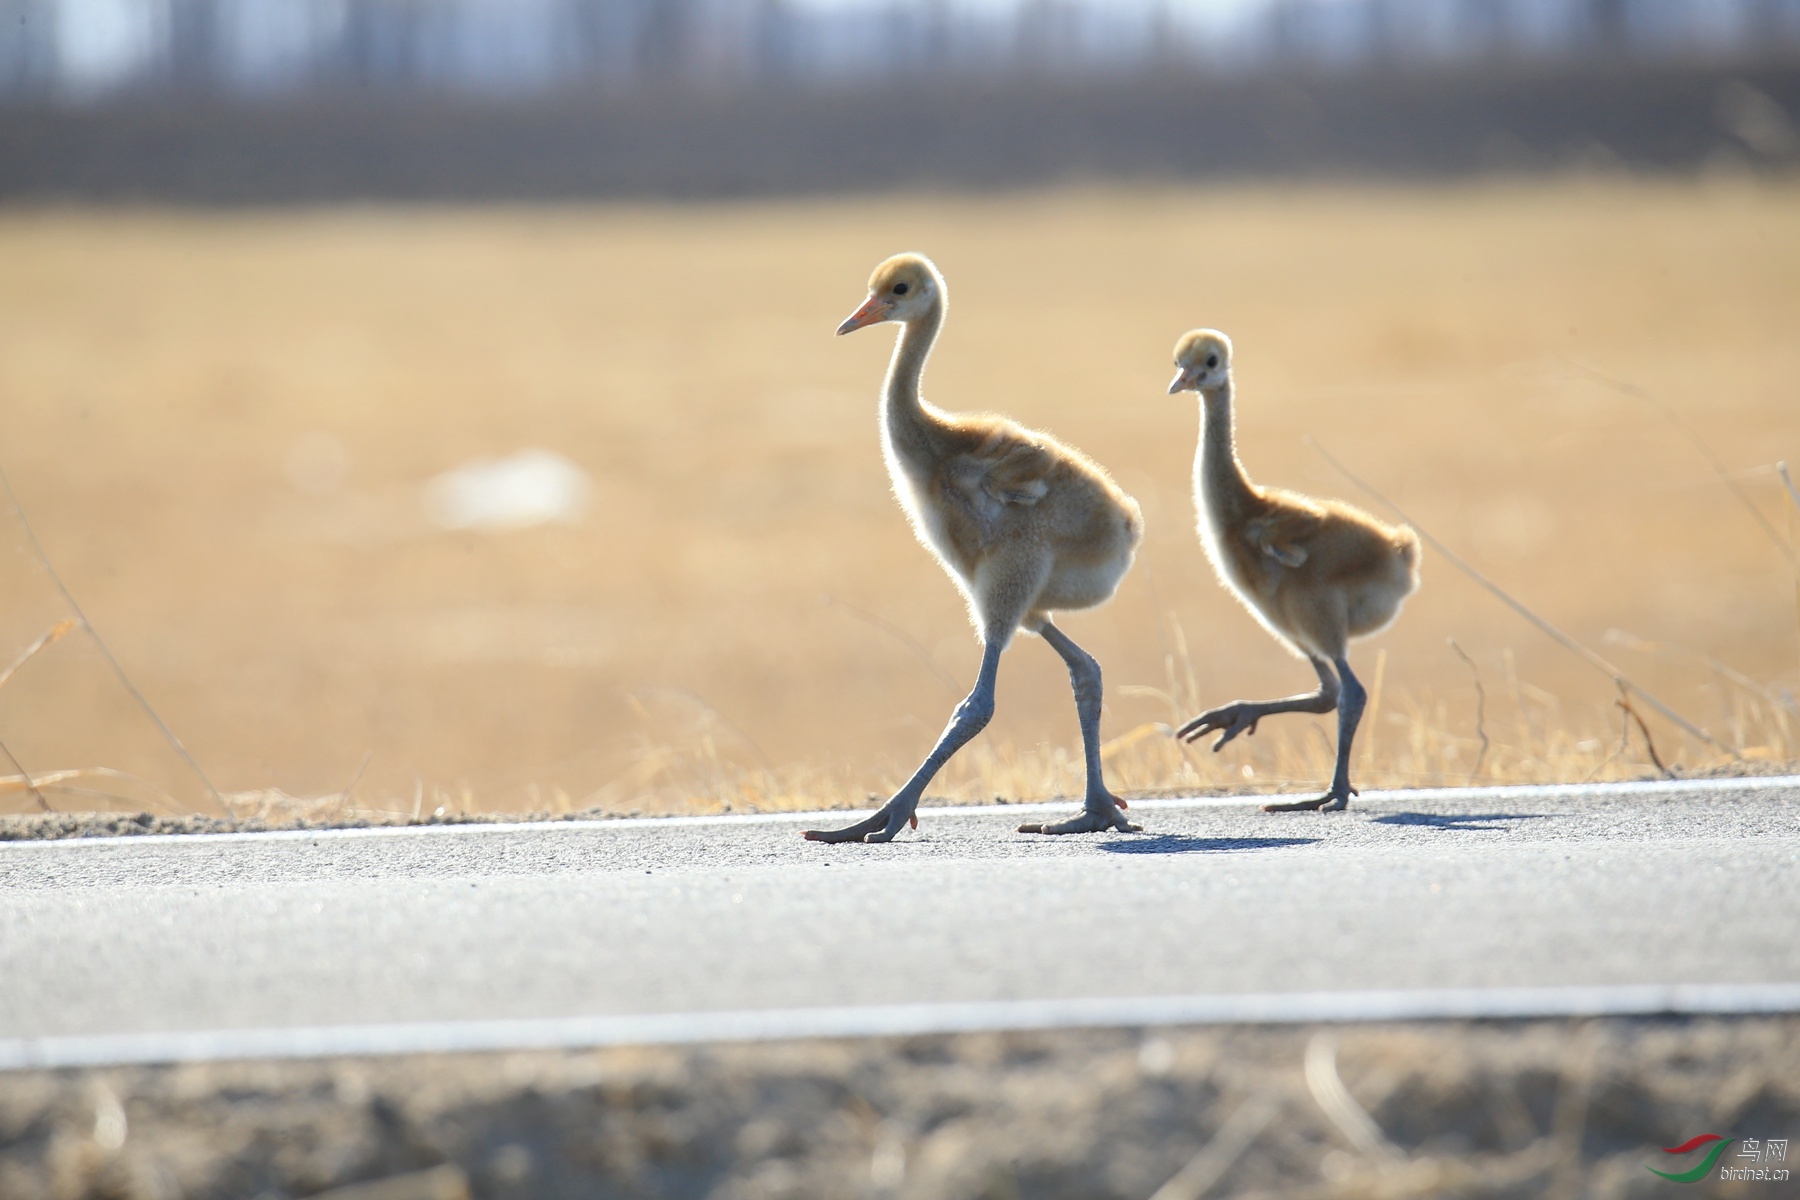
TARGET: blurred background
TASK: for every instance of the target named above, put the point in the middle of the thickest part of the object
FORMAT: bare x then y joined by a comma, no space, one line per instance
434,402
285,100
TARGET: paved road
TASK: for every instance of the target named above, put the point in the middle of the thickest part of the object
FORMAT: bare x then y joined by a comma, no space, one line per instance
1635,897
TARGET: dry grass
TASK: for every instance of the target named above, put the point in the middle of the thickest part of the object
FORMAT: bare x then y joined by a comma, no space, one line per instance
743,618
1483,1111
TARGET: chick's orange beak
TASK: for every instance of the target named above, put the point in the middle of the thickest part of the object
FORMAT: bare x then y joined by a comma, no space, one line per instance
1180,383
874,310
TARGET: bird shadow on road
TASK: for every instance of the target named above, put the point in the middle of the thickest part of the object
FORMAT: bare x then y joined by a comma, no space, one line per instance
1475,822
1181,843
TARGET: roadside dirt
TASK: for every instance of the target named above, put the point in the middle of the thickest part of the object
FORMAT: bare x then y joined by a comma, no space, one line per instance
287,812
264,812
1526,1110
55,826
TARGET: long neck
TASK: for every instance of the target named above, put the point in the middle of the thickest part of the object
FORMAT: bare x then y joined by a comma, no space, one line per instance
1227,491
911,425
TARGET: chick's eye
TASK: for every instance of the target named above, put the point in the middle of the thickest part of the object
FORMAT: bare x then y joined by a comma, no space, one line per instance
1212,360
899,289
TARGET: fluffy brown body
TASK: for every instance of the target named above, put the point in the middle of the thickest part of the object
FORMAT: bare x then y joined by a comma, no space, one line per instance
1315,573
1024,525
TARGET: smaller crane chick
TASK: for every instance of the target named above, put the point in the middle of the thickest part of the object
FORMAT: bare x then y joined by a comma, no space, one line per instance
1315,573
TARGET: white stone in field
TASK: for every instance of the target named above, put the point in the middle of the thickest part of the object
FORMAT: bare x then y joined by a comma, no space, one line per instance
532,487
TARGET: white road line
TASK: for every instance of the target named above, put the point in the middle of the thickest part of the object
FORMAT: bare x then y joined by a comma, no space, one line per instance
427,1037
1559,791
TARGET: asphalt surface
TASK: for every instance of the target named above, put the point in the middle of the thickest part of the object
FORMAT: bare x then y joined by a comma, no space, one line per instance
136,949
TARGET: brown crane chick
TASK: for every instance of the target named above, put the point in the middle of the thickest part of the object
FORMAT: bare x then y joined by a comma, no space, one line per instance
1025,526
1315,573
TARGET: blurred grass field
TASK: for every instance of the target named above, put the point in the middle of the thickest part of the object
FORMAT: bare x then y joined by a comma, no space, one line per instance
742,617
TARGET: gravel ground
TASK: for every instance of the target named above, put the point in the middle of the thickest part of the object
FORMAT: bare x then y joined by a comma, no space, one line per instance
1526,1109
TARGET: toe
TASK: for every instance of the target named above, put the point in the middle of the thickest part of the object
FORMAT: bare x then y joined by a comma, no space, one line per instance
849,833
1090,820
833,835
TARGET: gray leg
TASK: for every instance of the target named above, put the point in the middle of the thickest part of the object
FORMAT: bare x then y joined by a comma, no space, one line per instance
1350,710
1100,810
971,716
1241,716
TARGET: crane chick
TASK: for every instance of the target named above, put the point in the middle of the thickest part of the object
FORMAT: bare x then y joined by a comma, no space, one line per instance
1025,526
1315,573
